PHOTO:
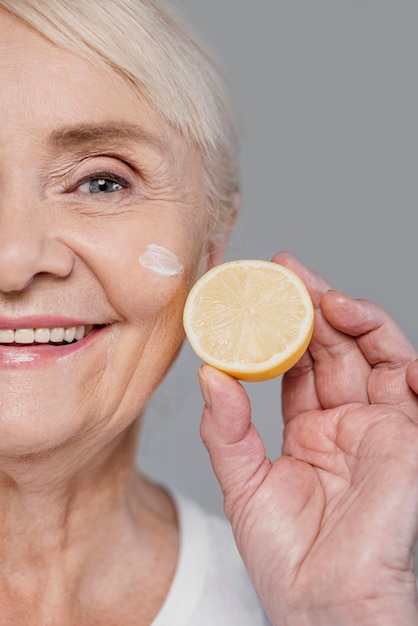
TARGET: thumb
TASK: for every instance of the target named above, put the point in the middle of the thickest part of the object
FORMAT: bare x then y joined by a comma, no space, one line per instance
235,448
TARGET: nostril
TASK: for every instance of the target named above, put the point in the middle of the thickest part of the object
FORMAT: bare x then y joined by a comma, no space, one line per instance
24,259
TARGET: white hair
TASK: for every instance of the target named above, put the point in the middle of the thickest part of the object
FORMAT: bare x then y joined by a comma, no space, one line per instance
144,42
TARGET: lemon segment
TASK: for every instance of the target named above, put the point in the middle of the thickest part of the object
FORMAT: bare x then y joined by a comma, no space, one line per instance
250,318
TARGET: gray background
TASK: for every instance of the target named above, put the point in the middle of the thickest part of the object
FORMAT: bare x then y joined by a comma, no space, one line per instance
327,98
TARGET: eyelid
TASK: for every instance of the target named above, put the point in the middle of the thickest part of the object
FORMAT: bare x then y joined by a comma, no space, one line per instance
93,166
105,174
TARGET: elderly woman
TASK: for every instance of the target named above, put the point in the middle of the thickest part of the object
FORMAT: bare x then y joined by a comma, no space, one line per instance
118,188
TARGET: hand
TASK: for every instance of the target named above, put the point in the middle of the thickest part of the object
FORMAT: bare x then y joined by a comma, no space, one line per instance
328,530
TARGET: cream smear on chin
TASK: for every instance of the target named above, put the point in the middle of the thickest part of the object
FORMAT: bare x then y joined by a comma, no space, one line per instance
161,261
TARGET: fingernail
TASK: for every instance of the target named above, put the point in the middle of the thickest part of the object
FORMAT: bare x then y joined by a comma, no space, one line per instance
341,296
204,388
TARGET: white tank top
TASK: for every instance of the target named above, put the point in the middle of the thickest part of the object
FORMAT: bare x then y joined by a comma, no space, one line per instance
210,586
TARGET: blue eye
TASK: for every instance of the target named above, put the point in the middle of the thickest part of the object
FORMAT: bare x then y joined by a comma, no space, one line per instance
100,185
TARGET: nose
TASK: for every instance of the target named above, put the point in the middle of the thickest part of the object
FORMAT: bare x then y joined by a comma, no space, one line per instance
28,248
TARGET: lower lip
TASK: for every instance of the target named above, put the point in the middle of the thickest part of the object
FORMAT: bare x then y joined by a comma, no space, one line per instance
35,355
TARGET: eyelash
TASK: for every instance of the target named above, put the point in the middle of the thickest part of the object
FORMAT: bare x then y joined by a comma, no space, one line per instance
106,175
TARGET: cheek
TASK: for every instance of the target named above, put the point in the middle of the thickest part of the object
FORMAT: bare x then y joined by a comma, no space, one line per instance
143,265
151,296
152,276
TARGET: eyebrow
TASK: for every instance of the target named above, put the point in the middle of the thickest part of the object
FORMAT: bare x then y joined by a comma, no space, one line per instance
73,137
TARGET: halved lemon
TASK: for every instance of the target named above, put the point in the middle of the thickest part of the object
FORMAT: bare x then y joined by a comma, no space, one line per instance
250,318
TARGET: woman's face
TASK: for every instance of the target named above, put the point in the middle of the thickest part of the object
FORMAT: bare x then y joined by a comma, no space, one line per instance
102,226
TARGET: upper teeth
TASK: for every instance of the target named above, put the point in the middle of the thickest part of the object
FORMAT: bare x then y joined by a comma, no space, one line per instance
42,335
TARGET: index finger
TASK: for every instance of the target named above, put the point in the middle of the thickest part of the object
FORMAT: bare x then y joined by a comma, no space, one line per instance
335,372
314,282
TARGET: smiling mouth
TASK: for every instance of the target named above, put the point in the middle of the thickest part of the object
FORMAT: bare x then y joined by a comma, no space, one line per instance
50,336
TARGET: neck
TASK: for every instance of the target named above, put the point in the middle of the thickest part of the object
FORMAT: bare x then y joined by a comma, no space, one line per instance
49,501
79,532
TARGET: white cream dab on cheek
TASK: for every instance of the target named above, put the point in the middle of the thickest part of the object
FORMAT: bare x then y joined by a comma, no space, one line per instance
161,261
